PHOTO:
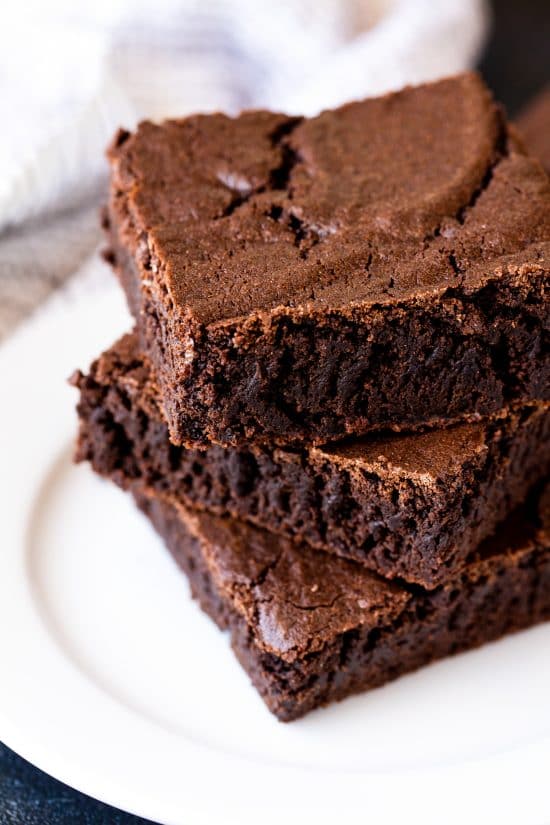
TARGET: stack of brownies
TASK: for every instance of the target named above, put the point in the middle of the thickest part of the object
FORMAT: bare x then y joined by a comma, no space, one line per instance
334,407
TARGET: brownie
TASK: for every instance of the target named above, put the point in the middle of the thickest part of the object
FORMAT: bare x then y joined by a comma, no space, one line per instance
534,127
412,506
310,628
383,265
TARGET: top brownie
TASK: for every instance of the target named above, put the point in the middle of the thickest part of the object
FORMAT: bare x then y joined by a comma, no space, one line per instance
299,280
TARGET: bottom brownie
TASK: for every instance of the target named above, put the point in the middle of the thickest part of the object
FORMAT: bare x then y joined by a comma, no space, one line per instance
310,628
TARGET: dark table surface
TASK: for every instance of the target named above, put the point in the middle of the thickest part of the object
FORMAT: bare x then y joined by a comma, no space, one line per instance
515,65
30,797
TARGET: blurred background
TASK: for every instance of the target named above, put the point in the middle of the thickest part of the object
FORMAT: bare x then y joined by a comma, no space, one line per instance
71,73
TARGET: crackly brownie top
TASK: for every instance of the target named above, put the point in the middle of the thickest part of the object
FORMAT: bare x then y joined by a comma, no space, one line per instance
425,456
296,600
431,457
373,202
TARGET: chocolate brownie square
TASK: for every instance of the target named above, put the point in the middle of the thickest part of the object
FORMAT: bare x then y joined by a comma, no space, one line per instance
310,628
294,280
409,506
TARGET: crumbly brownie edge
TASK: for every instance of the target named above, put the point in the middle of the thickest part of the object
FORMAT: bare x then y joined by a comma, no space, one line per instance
417,529
493,597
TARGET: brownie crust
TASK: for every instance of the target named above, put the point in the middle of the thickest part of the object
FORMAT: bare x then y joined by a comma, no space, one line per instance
407,506
311,628
297,281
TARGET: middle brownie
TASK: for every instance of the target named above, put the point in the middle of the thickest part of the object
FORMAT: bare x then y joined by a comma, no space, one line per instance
407,506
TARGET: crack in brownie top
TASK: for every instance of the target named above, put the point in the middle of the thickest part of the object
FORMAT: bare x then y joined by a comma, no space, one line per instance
413,192
295,603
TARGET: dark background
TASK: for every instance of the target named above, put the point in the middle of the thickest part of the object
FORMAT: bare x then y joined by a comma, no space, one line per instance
516,62
516,65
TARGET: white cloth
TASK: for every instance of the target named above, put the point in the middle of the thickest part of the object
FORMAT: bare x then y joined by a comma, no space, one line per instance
71,73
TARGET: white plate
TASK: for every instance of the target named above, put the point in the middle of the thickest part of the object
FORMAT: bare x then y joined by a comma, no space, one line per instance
114,682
